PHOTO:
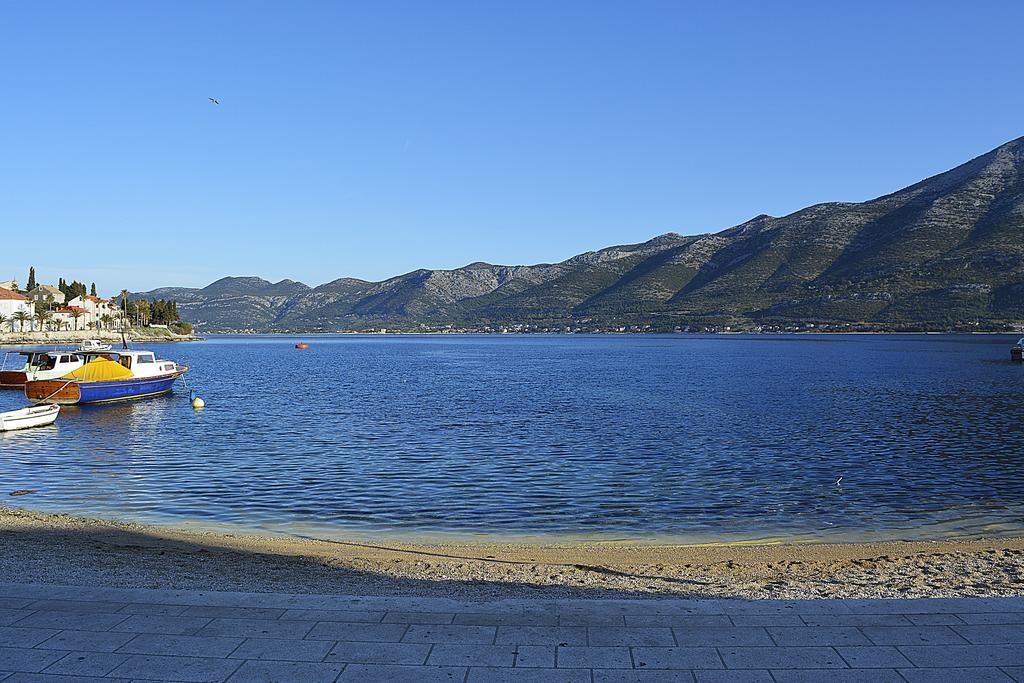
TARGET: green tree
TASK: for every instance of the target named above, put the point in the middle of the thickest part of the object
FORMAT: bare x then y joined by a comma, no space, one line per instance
21,317
3,319
75,315
92,289
31,279
42,317
106,319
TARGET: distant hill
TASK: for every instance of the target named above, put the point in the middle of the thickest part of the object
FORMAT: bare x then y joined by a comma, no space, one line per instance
948,250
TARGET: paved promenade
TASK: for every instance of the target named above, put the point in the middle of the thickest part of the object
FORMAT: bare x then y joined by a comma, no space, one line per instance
53,633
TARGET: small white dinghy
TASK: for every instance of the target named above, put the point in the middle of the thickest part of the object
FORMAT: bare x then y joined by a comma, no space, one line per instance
36,416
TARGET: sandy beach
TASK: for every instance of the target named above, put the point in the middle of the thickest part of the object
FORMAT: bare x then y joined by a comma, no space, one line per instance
46,548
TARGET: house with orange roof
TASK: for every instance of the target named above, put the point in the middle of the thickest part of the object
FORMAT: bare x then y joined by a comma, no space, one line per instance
10,304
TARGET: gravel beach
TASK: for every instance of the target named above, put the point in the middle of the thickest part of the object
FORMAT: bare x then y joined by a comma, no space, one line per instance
46,548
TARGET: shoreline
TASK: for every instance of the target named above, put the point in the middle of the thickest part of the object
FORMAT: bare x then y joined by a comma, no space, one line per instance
95,552
63,338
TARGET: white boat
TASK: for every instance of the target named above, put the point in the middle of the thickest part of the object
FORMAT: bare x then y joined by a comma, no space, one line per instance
94,345
36,416
39,365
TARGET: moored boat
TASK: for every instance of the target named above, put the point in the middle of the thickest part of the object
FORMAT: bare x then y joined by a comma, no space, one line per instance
1017,352
35,416
109,376
94,345
39,365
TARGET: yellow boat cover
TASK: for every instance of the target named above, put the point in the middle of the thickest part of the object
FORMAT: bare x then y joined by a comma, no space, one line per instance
99,370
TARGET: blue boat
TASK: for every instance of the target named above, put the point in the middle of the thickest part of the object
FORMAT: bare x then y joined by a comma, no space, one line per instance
109,376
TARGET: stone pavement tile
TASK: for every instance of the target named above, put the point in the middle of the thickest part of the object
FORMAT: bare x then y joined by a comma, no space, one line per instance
781,658
992,618
739,676
934,605
913,635
9,616
610,620
384,673
873,657
152,608
670,621
938,656
801,607
818,635
80,621
986,634
759,620
929,620
284,650
338,630
964,675
630,637
594,658
714,637
664,676
87,641
160,623
189,669
86,664
457,654
507,619
1015,672
195,646
286,672
485,675
217,611
677,658
26,660
834,676
77,606
343,615
418,618
858,620
379,653
541,635
443,633
57,678
257,628
533,656
16,636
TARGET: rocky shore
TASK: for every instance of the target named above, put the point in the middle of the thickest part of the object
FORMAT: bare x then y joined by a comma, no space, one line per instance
146,335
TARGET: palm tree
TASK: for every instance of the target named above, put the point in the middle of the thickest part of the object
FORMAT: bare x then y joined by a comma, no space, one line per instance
106,319
124,306
3,319
42,317
76,315
21,317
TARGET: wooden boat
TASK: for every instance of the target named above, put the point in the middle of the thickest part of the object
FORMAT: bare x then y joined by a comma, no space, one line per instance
39,365
36,416
109,376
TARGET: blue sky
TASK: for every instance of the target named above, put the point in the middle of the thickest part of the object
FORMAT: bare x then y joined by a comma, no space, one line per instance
368,139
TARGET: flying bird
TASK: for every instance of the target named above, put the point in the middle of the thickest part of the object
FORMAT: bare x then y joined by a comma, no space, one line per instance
213,100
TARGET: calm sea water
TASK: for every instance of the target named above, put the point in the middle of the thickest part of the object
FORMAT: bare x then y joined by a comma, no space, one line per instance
581,437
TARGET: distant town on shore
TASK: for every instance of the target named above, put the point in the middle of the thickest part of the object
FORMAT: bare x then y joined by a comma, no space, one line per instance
41,307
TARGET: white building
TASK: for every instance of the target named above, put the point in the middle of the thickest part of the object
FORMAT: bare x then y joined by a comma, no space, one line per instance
10,304
95,308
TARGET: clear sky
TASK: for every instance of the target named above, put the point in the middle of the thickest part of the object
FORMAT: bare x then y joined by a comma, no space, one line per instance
368,139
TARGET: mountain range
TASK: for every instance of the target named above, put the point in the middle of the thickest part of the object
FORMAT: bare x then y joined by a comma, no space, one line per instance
945,252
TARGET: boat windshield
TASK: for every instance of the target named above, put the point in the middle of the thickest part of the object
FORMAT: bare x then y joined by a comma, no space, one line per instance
43,361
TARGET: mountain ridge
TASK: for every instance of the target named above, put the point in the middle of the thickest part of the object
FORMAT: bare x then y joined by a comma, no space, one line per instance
941,252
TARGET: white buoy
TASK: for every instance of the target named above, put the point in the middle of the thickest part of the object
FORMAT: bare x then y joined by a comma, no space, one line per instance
198,403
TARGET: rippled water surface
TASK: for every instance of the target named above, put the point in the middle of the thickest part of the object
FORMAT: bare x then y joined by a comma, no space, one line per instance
604,437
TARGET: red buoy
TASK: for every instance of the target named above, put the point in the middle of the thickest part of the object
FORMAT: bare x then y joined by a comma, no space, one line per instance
302,346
